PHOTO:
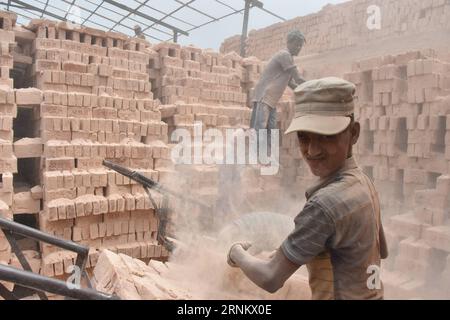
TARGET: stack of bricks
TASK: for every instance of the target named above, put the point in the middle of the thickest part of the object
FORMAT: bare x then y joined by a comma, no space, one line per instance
203,88
253,69
427,80
192,75
402,145
204,85
422,245
28,149
96,104
293,175
8,111
347,25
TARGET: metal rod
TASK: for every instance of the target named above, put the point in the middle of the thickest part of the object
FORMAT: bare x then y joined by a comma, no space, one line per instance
70,8
175,36
149,183
171,13
91,13
21,257
228,6
40,283
41,236
162,12
212,21
10,227
30,7
198,11
145,16
273,14
122,25
109,19
45,8
81,262
245,26
126,16
6,294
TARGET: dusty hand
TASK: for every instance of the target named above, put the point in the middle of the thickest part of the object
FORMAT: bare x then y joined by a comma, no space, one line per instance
244,245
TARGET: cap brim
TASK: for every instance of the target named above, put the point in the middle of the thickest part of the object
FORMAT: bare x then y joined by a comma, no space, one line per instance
327,126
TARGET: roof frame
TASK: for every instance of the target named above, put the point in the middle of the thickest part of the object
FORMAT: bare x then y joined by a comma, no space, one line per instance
127,15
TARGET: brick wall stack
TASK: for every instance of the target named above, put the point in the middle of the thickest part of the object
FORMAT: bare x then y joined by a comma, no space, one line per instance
205,88
345,26
404,121
194,75
8,111
96,104
253,69
203,85
420,244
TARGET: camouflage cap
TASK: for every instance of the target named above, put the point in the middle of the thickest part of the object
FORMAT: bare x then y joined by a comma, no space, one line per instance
323,106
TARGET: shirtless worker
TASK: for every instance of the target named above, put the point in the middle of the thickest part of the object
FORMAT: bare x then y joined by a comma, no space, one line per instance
338,234
279,73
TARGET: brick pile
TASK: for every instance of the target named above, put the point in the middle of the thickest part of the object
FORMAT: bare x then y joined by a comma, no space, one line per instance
205,88
203,85
8,111
420,243
185,277
345,26
402,106
94,102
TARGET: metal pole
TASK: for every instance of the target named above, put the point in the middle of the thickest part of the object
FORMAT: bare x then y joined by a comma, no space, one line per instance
175,36
145,16
41,236
40,283
245,26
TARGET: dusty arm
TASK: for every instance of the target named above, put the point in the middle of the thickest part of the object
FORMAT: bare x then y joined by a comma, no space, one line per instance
269,275
296,79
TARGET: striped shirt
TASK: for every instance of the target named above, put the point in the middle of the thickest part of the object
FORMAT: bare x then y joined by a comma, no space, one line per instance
340,223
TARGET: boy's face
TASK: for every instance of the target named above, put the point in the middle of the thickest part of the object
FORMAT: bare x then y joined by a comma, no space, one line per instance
295,46
327,154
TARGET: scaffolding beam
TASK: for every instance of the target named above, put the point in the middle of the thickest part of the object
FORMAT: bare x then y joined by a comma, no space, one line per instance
145,16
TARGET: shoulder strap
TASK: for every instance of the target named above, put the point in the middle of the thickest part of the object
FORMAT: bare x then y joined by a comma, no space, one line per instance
381,239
